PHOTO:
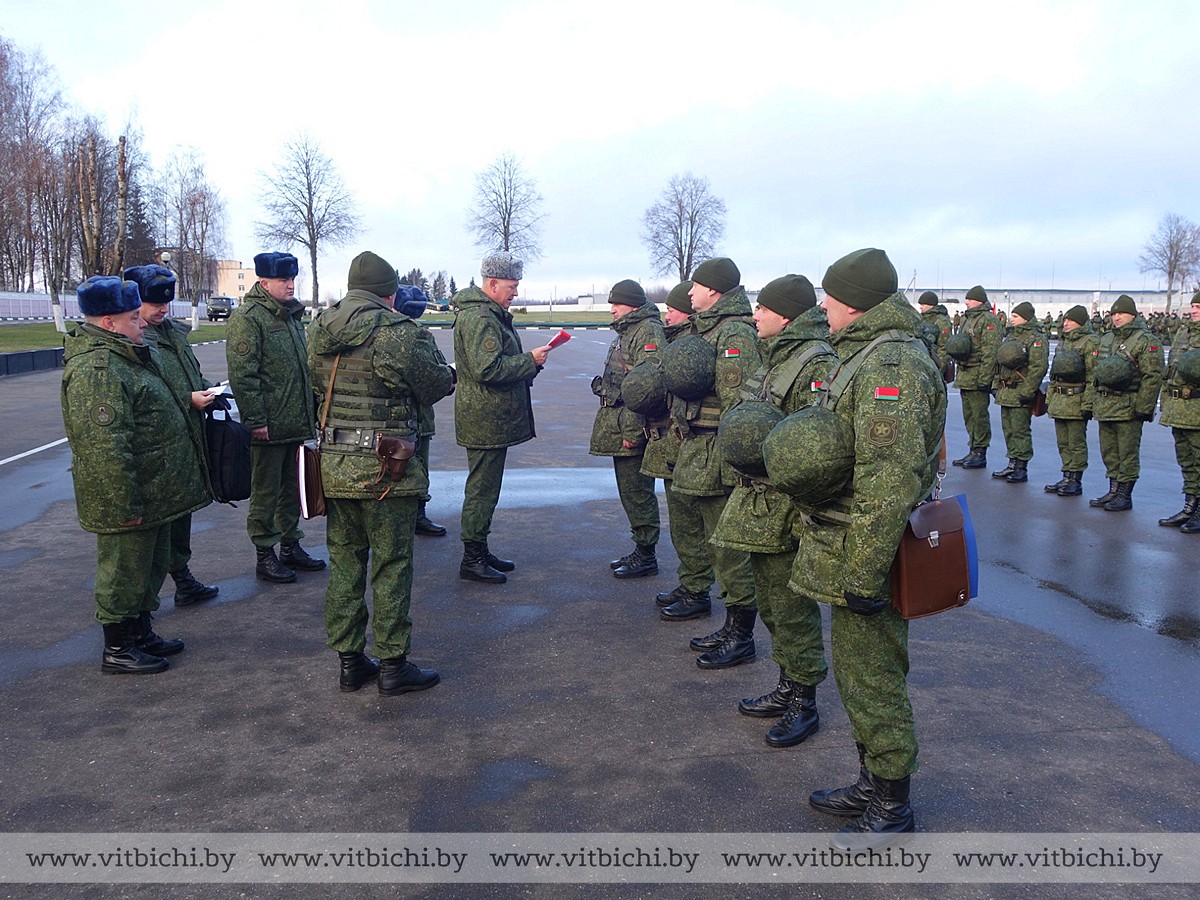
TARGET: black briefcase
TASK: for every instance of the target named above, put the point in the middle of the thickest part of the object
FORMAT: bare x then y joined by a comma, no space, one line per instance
228,443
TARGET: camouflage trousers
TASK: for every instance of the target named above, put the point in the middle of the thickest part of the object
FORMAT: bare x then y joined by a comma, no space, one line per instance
638,499
375,537
1072,444
870,666
1187,454
274,513
794,621
130,568
687,536
731,567
1018,433
1121,449
976,417
481,493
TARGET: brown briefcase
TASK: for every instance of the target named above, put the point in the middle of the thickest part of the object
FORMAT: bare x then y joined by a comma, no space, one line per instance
931,573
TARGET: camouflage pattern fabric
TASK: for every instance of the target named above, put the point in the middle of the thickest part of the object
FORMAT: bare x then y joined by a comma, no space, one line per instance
1180,407
1136,344
937,330
639,339
1071,399
1015,388
979,370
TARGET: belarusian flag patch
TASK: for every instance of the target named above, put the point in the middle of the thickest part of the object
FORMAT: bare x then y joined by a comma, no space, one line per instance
650,347
732,351
816,385
887,393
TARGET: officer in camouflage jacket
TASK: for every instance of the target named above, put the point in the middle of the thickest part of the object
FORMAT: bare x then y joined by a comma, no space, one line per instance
1181,412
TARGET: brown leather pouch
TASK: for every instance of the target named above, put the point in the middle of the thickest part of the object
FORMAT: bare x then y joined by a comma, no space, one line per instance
393,453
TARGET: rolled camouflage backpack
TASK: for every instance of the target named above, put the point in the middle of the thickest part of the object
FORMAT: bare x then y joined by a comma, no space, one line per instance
1068,365
960,346
1115,373
810,455
1012,355
741,434
689,367
1187,367
643,390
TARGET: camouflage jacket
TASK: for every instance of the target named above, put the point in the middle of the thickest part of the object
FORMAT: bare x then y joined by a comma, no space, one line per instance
662,443
425,416
492,403
727,325
1017,387
978,372
1071,399
896,406
268,367
1139,346
389,368
179,365
639,337
937,327
759,518
1180,400
132,451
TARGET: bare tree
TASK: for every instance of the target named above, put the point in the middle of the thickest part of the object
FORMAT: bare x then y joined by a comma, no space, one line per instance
683,227
307,203
506,214
191,217
1173,251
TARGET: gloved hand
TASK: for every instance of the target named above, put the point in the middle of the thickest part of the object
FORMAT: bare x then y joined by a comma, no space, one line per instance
1144,417
1087,415
1024,400
865,606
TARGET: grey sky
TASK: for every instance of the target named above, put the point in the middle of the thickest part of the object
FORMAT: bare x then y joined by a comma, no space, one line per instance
1015,145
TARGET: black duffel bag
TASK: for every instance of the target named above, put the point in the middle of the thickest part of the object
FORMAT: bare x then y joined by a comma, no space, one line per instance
228,442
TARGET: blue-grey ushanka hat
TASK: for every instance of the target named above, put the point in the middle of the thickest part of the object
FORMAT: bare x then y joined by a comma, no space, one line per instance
276,265
107,295
156,284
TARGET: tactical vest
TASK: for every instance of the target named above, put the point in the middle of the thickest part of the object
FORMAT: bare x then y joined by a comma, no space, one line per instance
774,384
361,406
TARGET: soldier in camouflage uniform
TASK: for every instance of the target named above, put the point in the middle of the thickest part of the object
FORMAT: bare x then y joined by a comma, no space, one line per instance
619,432
935,320
268,373
1181,412
976,374
492,406
1070,397
760,519
384,368
179,367
1123,405
411,301
888,391
722,319
136,465
1017,387
662,450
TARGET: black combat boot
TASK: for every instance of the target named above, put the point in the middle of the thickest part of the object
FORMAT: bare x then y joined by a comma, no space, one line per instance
269,567
149,642
690,605
1122,501
1192,525
1112,492
1058,485
713,641
296,557
773,703
398,676
474,565
624,560
887,816
1074,486
188,590
976,459
1020,472
800,722
1007,470
121,654
848,802
425,526
500,565
640,563
738,644
666,598
1189,510
962,460
357,670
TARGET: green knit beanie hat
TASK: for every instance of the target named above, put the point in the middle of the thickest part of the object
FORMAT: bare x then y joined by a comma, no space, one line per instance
718,274
929,298
1124,304
1025,310
680,297
977,293
862,279
789,296
1078,314
1196,298
627,293
372,273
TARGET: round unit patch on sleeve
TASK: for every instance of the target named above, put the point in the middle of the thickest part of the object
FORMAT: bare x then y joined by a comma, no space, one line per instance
883,431
731,377
103,414
241,348
490,345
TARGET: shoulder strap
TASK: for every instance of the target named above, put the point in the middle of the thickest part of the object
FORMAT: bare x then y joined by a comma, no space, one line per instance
780,380
841,377
329,394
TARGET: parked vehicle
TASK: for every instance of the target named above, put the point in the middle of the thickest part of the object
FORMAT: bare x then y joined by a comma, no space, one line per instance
220,307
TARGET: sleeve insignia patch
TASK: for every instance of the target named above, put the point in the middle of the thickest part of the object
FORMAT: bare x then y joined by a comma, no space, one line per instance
731,377
887,393
730,352
883,431
103,414
241,348
490,345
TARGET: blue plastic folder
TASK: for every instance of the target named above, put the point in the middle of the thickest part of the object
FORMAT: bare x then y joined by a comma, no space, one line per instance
972,548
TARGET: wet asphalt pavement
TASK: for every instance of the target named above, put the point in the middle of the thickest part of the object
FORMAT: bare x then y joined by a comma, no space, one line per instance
1061,700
